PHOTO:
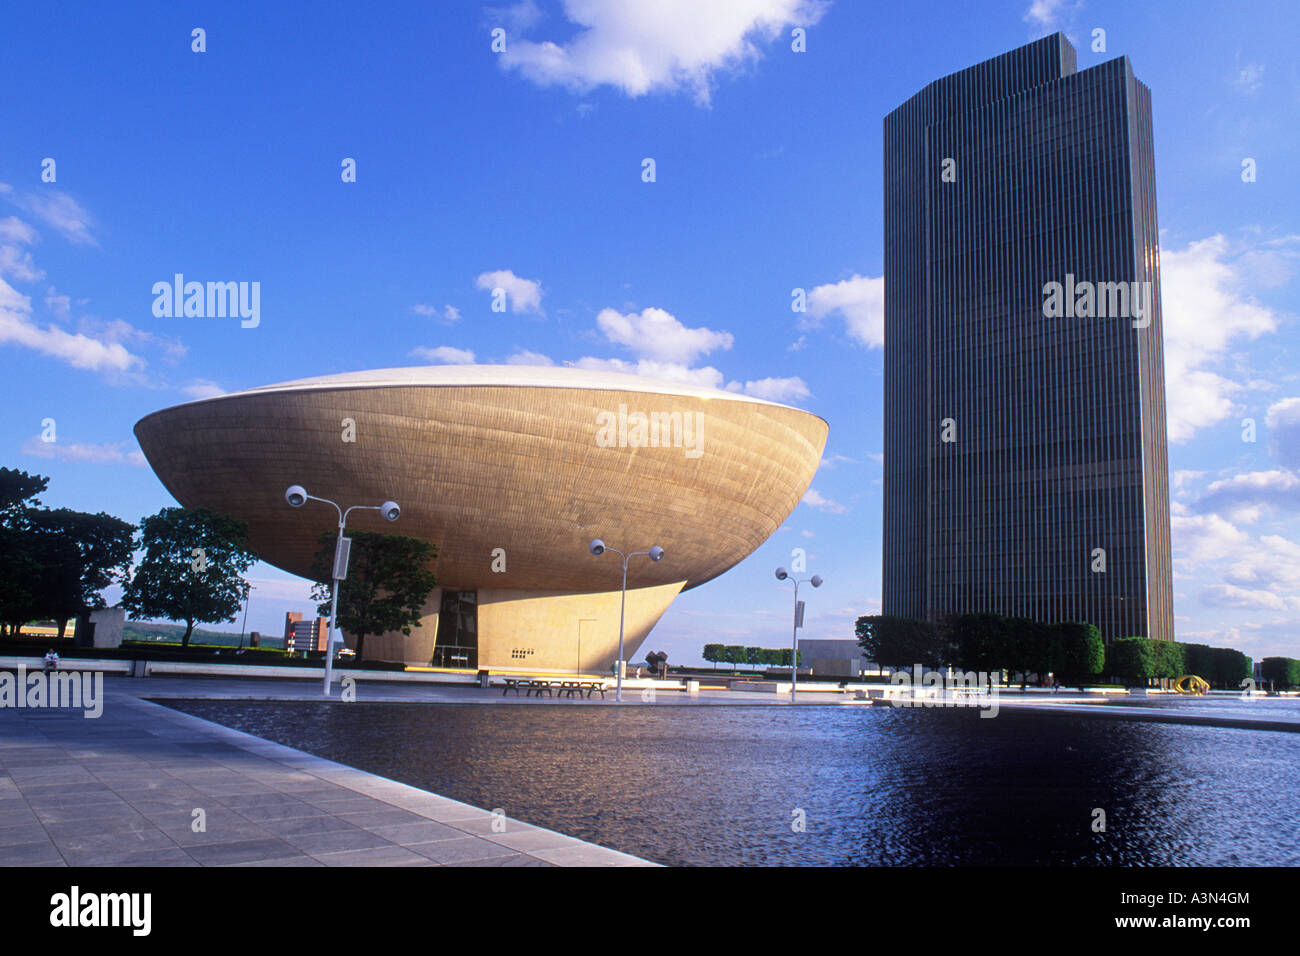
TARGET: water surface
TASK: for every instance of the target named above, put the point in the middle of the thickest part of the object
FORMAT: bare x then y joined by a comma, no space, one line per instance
872,785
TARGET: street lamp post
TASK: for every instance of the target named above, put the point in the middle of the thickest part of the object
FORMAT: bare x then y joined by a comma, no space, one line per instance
815,581
598,547
297,496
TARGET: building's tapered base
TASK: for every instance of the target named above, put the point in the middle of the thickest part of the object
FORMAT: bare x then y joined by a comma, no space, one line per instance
505,629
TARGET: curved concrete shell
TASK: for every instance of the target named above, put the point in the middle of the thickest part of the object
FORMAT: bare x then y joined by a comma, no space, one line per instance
510,471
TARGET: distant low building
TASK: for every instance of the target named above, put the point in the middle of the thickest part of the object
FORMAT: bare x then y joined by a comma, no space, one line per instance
300,635
833,658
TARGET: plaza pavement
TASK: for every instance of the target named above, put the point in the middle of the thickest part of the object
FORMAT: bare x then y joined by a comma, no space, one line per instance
122,790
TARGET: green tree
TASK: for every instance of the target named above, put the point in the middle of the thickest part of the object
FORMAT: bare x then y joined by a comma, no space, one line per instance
192,570
54,563
712,653
980,641
735,656
1231,667
1027,648
1282,672
18,491
20,566
753,656
1079,653
901,641
388,583
85,554
1170,659
1133,659
1198,659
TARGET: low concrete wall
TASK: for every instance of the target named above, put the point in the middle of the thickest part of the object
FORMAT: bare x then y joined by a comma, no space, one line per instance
67,664
304,673
783,687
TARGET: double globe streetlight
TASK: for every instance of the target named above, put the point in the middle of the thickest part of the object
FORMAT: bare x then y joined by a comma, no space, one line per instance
598,547
297,496
816,581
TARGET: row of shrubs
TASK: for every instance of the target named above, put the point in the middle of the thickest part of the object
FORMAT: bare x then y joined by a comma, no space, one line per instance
1142,658
1073,651
1281,672
753,656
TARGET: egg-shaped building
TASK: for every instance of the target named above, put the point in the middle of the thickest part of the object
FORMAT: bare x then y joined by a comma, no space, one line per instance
511,471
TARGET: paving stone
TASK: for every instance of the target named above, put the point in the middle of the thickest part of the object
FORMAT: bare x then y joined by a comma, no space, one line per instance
461,850
337,841
242,851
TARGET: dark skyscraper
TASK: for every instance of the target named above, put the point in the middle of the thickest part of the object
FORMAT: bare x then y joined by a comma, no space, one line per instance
1025,461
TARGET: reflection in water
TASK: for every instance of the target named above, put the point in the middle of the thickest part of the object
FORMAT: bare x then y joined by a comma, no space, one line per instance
876,786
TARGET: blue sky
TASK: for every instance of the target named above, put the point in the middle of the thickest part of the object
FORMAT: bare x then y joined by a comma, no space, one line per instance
226,165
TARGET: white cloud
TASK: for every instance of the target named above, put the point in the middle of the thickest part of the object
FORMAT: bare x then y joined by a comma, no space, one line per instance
522,295
1249,78
1184,478
1048,16
202,388
1229,595
640,46
707,377
1247,496
59,211
529,358
815,499
123,333
110,454
60,305
445,355
516,18
830,461
1205,315
774,389
658,335
13,229
78,350
861,302
287,591
448,313
15,262
18,264
1208,545
1283,421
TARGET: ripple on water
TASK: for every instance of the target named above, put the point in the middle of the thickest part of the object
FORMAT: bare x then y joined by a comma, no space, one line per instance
876,786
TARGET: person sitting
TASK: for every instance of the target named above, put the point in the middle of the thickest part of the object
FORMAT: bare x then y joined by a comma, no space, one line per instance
51,660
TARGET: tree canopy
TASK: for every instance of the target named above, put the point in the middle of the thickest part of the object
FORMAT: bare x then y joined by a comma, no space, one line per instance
901,641
192,570
388,583
55,563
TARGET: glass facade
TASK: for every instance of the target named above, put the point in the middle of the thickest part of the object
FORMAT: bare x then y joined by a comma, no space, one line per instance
1025,450
457,643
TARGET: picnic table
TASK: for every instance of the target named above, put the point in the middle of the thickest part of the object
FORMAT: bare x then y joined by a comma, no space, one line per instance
551,688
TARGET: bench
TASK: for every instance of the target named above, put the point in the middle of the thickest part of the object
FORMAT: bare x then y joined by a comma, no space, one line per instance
565,688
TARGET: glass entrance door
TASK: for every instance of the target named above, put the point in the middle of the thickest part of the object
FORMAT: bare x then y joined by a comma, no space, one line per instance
457,642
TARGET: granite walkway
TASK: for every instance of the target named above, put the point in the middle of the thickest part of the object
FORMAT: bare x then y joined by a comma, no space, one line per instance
130,788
